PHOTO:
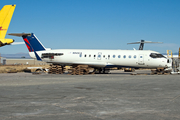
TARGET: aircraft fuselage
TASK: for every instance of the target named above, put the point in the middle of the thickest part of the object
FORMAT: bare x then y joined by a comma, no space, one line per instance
103,58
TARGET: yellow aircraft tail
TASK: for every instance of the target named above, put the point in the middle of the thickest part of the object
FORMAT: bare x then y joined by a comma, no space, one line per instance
5,18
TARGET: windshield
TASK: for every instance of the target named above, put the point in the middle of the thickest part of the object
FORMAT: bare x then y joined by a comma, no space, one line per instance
156,55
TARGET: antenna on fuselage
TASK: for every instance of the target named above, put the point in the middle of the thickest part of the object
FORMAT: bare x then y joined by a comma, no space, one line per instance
141,46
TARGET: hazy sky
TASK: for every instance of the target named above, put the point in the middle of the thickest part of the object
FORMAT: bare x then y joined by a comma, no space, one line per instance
96,24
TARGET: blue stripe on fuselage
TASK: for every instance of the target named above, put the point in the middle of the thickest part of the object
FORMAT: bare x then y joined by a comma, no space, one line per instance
37,56
120,66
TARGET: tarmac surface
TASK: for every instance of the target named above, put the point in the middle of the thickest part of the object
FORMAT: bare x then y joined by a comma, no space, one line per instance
115,96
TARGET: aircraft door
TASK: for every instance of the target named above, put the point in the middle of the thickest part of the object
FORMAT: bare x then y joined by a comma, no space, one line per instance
141,60
99,55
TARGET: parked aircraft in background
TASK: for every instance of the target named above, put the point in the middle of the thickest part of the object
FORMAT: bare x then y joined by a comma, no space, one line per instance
5,18
141,46
99,59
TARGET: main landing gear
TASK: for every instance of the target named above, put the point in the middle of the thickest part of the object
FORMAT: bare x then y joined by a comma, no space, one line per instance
76,70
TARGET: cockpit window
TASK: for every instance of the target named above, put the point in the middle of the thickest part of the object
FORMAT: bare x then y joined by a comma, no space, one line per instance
156,55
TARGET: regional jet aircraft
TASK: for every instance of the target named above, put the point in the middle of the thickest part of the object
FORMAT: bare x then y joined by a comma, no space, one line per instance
94,58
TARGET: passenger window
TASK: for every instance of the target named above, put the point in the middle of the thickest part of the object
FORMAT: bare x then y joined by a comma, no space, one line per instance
119,56
108,56
124,56
114,56
129,56
103,56
80,55
134,56
89,55
94,55
85,55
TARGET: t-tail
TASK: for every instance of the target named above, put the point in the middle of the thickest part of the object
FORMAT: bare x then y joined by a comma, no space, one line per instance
5,19
32,42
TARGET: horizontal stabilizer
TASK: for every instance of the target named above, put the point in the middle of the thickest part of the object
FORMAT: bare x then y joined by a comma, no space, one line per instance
143,41
20,34
5,42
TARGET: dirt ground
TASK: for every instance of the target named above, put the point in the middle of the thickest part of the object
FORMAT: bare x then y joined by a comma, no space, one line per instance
19,68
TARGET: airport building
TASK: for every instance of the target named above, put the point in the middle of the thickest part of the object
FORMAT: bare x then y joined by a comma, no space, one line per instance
21,61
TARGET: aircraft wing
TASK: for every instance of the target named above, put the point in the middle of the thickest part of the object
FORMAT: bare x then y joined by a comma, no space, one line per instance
17,43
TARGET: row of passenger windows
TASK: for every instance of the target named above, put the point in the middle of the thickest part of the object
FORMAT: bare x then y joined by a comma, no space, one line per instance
113,56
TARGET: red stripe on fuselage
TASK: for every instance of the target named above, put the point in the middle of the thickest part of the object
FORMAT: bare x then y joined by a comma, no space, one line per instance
29,48
26,40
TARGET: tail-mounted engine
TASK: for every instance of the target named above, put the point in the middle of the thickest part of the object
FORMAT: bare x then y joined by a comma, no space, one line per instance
50,55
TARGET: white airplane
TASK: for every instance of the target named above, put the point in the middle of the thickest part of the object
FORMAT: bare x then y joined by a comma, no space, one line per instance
100,59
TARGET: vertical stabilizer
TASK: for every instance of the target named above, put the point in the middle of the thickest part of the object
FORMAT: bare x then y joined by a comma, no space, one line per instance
32,43
28,45
35,43
5,18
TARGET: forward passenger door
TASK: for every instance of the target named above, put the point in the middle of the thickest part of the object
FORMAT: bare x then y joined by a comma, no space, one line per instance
141,59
